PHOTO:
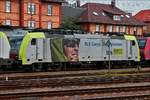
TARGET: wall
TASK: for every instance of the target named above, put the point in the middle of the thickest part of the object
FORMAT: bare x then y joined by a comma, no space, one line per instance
13,15
40,17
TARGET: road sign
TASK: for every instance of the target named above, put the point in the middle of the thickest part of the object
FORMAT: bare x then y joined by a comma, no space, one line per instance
108,43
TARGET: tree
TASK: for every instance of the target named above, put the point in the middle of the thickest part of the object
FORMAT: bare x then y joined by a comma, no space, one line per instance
70,23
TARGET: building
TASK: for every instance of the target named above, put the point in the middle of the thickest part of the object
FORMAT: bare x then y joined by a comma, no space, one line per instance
144,15
129,6
45,14
108,18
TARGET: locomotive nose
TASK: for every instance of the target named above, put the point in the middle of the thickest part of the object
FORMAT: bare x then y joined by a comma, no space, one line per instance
142,53
13,55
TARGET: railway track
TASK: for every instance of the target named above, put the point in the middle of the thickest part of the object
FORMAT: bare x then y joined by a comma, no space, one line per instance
98,92
13,75
62,84
71,80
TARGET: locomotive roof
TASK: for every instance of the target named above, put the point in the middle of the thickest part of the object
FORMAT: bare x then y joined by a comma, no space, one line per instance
90,36
15,32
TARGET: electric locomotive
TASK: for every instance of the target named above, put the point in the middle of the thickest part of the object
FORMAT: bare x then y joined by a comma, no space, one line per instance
41,50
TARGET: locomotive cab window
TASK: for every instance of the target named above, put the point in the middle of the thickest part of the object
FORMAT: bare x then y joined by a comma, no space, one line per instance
142,43
33,42
15,42
133,43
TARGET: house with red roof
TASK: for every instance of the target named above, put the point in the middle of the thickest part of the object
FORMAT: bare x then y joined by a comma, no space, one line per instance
108,18
144,16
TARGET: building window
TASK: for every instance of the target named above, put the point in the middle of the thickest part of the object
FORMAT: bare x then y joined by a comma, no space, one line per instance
49,9
135,30
145,28
116,18
110,28
31,24
31,8
117,29
8,22
97,28
49,25
8,6
123,29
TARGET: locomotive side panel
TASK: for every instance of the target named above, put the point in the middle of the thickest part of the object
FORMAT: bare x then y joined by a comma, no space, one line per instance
65,49
39,51
47,50
135,51
4,46
135,48
118,49
91,50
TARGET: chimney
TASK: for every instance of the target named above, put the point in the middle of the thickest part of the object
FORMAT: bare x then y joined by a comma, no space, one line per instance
113,3
78,3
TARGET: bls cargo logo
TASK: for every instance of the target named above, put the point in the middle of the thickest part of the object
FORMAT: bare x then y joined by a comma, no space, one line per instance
92,42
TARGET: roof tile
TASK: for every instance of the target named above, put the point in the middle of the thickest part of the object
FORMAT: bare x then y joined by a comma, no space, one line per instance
105,15
57,1
143,15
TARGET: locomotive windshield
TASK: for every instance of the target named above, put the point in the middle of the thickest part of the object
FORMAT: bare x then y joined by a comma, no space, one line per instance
15,43
142,43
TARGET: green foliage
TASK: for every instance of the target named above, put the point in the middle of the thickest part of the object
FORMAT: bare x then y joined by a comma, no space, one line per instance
70,23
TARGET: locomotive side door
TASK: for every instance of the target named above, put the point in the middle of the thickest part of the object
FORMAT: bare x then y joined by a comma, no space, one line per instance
1,47
35,51
134,50
31,51
129,49
39,50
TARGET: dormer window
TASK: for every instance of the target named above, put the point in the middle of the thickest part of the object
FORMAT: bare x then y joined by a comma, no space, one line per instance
95,13
128,16
103,14
116,18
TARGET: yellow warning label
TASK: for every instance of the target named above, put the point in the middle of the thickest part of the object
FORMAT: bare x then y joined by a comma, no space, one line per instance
118,51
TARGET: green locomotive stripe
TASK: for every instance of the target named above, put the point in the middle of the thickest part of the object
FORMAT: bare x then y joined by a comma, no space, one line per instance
57,50
26,40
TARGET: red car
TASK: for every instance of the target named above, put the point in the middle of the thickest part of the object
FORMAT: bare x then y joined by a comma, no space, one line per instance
144,45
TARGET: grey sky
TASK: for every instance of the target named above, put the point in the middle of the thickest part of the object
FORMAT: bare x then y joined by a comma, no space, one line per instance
132,6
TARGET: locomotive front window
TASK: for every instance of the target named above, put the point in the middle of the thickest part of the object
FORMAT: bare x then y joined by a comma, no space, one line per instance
15,43
141,43
133,43
33,42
